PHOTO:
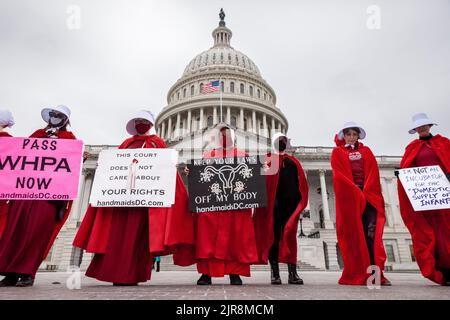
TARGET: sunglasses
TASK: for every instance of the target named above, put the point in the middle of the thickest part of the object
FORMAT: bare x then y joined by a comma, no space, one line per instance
56,114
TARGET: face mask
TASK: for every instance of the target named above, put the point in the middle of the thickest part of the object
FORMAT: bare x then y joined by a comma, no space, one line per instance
142,128
56,122
282,145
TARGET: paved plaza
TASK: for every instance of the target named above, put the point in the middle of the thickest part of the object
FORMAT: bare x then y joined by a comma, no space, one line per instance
180,285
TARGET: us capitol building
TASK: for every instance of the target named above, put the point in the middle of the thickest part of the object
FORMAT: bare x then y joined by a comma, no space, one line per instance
249,104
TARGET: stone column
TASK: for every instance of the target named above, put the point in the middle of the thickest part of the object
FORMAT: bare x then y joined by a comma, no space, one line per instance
273,127
308,207
163,129
214,115
200,126
169,129
228,115
326,210
265,133
241,118
86,194
177,127
75,214
388,201
254,128
189,120
279,126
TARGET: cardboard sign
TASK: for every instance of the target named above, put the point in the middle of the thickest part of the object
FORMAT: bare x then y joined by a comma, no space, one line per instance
427,187
135,178
222,184
40,169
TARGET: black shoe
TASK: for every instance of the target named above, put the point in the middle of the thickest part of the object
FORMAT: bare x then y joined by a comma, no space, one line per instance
386,283
204,280
293,276
27,281
235,280
275,273
9,281
446,274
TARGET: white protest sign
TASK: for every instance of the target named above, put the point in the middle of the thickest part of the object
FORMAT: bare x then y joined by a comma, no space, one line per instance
135,178
427,187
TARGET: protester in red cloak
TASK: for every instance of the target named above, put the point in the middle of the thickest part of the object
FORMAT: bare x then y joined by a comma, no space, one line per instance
430,230
6,121
31,226
125,240
225,239
360,214
276,225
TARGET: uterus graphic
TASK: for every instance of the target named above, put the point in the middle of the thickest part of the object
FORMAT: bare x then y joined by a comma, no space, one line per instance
226,175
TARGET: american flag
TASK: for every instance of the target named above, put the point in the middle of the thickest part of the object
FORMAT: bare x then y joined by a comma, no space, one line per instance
212,86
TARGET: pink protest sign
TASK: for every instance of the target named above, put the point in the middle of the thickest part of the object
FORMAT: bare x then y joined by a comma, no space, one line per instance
39,169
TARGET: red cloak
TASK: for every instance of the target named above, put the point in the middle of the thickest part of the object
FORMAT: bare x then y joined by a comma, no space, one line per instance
350,206
226,241
263,217
171,230
41,133
3,203
423,234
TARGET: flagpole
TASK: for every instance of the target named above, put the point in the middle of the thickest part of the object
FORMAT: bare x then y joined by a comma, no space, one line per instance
220,86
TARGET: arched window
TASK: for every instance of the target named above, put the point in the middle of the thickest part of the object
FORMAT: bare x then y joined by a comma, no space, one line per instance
222,86
232,87
265,96
178,95
192,90
201,87
251,91
259,94
242,88
209,121
184,93
233,121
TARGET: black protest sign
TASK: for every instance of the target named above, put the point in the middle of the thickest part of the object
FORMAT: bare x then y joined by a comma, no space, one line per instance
222,184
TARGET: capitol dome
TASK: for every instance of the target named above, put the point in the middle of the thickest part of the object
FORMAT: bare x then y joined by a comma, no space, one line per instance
221,56
246,101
